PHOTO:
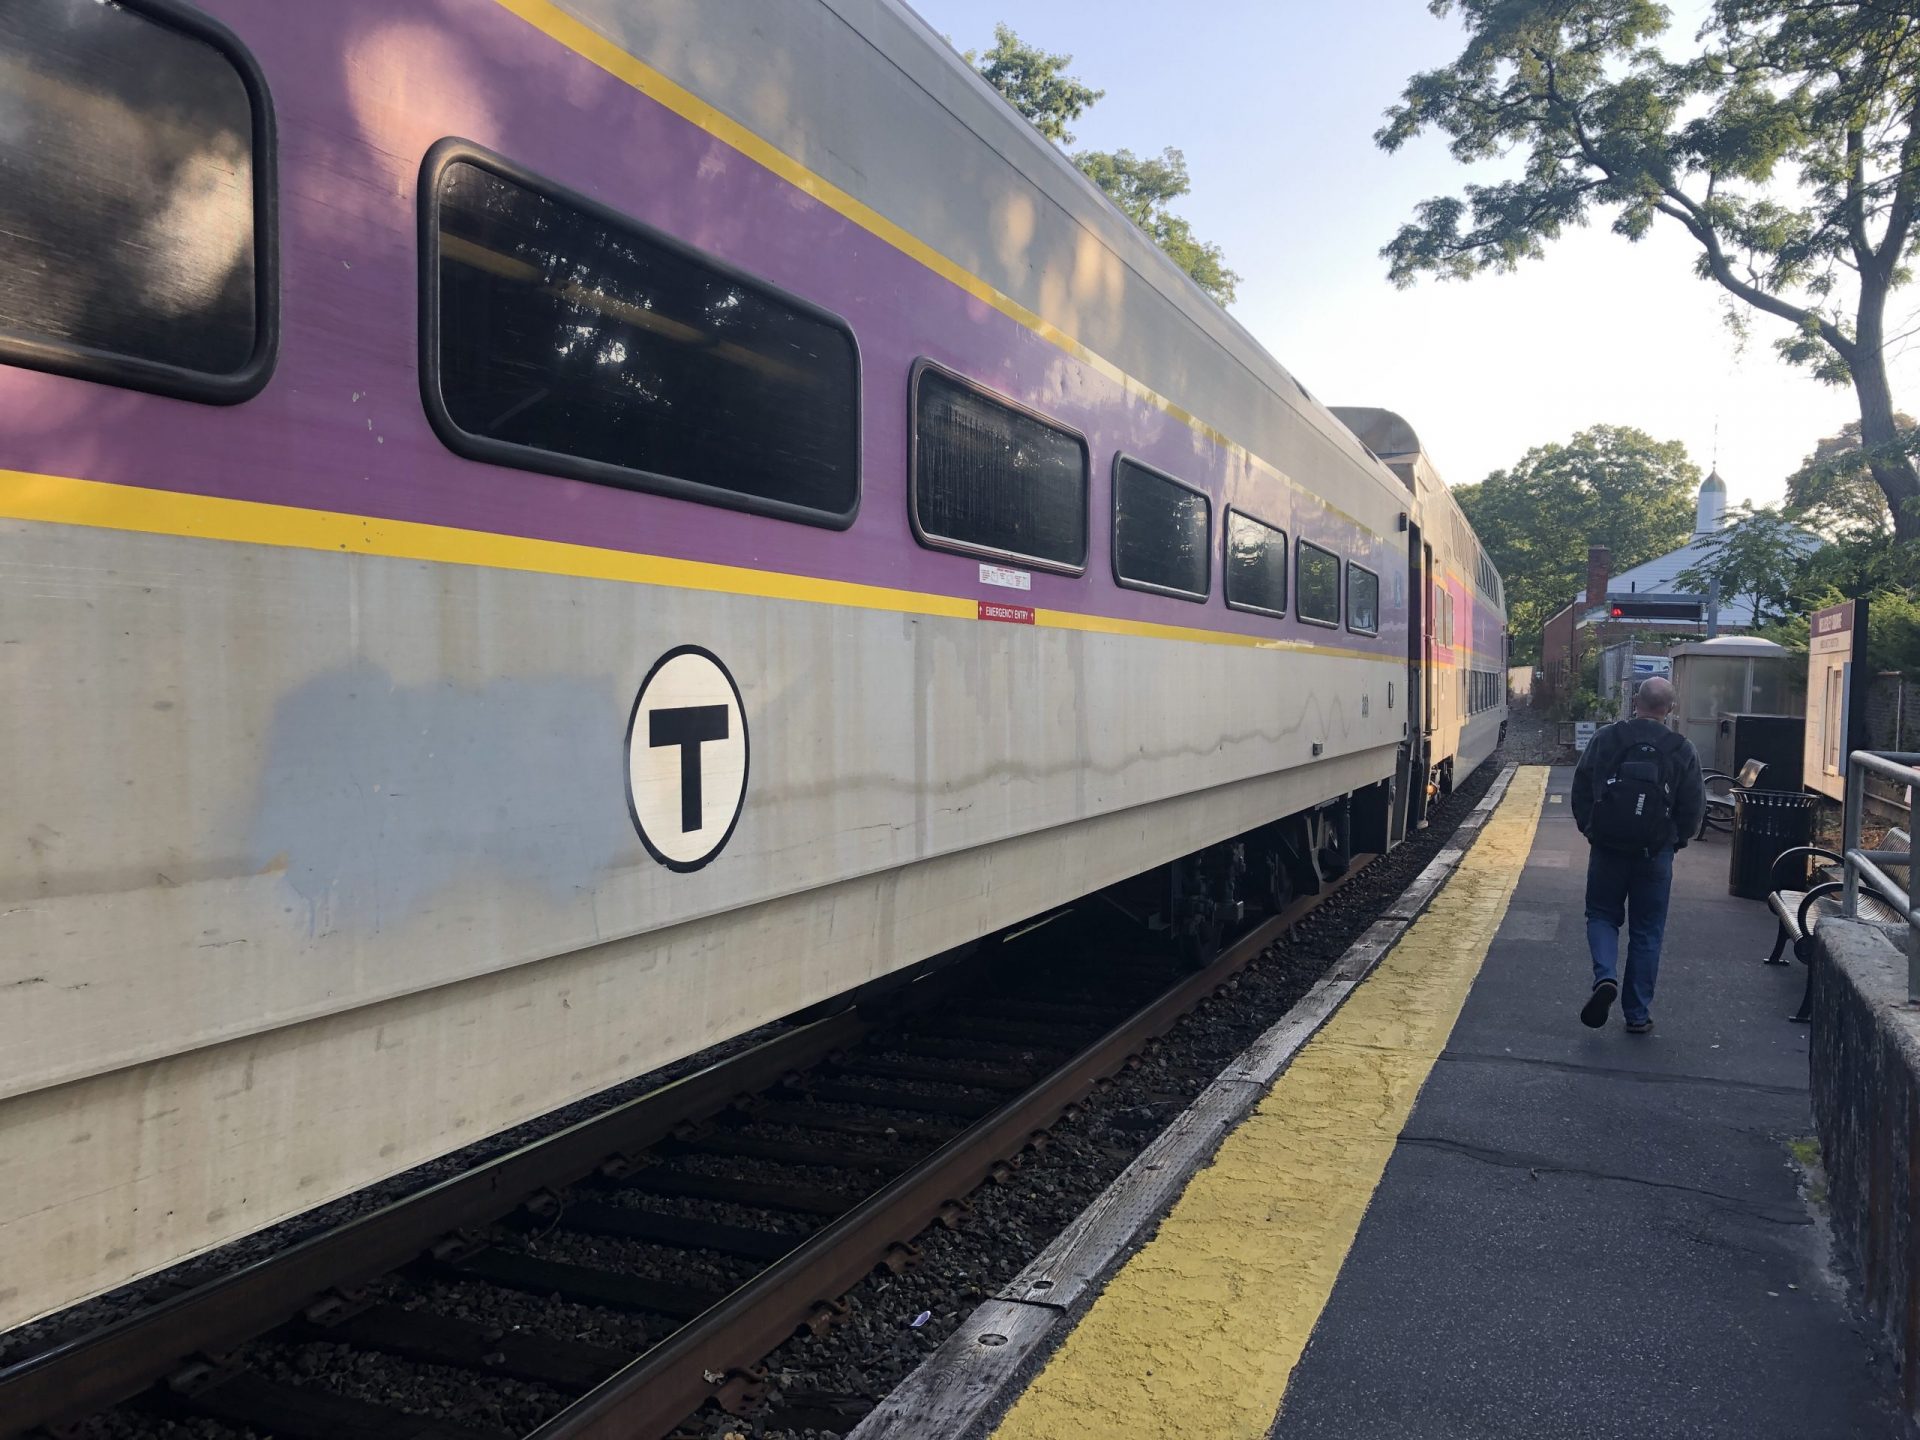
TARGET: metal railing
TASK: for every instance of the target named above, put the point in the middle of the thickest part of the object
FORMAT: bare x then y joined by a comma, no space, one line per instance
1900,768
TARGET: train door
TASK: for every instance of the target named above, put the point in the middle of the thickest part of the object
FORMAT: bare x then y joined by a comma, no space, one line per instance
1413,750
1429,657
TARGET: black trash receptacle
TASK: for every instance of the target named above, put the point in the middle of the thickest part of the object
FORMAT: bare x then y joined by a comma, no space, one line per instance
1766,824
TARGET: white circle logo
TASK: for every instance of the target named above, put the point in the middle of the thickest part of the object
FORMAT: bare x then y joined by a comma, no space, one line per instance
686,758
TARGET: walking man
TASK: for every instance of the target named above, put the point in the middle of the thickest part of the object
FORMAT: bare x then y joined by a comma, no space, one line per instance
1637,797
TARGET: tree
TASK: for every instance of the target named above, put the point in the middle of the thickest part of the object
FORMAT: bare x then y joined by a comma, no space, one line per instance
1143,187
1788,148
1036,84
1833,489
1609,485
1760,555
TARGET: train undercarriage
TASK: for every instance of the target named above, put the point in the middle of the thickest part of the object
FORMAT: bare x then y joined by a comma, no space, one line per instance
1198,901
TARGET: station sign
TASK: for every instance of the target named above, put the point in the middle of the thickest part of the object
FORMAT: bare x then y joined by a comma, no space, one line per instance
1837,677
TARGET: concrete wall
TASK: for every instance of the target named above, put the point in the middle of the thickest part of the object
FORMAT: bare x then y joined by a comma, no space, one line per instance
1865,1061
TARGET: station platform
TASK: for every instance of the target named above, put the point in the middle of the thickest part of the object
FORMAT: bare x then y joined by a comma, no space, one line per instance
1460,1213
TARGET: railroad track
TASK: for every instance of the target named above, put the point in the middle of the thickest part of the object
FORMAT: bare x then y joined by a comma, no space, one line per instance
758,1191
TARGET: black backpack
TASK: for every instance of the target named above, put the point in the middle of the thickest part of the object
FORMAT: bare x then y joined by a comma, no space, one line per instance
1633,806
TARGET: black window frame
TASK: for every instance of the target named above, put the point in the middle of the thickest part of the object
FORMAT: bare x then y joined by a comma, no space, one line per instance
1121,458
1226,568
1346,598
931,541
128,372
454,150
1339,591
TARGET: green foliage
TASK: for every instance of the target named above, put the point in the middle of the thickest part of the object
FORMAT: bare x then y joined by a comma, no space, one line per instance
1893,631
1882,570
1609,485
1586,704
1143,186
1833,489
1787,146
1036,84
1760,555
1790,630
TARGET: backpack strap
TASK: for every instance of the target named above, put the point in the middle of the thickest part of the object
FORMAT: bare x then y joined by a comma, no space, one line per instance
1667,751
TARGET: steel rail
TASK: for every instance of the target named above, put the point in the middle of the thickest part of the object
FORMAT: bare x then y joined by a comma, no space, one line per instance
71,1380
85,1375
650,1397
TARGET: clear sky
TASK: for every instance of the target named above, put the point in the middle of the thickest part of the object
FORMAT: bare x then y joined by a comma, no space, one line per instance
1275,103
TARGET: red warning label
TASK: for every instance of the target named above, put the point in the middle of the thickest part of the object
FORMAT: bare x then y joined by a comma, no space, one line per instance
1010,614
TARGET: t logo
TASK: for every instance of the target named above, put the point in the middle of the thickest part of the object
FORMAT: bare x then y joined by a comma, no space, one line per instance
688,727
687,758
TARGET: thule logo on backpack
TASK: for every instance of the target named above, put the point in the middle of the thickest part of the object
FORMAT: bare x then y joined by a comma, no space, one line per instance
1639,805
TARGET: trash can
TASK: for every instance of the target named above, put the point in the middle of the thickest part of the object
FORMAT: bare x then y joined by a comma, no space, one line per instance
1766,824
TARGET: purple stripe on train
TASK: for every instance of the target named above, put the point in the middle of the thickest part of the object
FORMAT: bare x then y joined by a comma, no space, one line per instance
360,95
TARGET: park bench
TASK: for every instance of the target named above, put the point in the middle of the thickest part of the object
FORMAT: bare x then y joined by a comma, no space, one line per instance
1801,910
1720,787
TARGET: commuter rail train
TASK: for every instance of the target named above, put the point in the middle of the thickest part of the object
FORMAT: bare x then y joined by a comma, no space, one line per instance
536,535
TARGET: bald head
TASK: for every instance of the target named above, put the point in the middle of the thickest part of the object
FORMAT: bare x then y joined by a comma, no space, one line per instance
1654,699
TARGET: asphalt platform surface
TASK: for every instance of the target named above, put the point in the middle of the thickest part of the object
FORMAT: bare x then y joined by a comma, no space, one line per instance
1584,1233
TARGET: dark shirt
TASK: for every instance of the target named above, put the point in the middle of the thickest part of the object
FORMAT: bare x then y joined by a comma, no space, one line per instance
1682,775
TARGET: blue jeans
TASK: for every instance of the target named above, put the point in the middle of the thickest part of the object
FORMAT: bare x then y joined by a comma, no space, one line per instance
1629,888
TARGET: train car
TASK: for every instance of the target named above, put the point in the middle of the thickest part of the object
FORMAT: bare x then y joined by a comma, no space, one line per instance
537,535
1462,645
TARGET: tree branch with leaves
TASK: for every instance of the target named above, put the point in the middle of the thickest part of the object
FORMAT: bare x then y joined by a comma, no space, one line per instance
1036,83
1787,147
1608,485
1761,555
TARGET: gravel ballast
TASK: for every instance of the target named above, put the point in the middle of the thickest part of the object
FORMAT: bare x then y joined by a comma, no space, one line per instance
858,1362
821,1387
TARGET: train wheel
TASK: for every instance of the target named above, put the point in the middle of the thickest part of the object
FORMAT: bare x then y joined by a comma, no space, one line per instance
1207,890
1199,941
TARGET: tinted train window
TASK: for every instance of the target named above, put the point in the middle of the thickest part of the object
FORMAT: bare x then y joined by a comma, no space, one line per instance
991,477
130,244
573,341
1256,565
1317,597
1162,533
1363,600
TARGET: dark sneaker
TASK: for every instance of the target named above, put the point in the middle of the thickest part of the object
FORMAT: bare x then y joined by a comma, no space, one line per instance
1593,1014
1640,1027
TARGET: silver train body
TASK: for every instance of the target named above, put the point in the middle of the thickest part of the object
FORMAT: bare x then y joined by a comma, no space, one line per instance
333,835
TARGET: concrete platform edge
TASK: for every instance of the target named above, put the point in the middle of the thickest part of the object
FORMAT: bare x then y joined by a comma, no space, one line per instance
1865,1064
965,1386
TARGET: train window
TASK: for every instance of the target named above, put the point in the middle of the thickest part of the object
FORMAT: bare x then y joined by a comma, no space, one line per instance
1363,600
1256,565
563,337
1316,596
1162,532
136,199
993,478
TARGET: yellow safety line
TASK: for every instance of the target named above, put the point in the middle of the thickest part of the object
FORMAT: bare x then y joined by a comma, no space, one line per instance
606,53
60,500
1199,1332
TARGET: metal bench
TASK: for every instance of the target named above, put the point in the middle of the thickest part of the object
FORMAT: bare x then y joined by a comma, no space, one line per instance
1801,910
1720,787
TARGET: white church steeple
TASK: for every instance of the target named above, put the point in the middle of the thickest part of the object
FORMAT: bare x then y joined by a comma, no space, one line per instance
1711,512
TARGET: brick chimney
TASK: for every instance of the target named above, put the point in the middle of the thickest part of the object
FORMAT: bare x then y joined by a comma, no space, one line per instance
1599,572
